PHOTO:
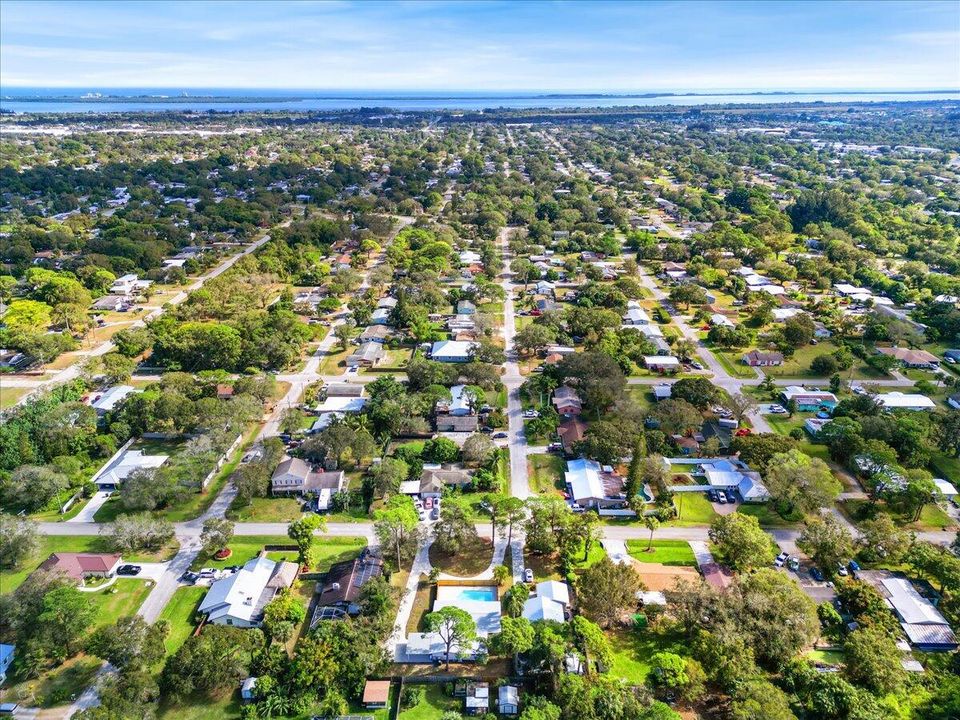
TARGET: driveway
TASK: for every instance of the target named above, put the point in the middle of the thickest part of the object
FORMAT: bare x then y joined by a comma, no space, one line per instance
617,550
90,509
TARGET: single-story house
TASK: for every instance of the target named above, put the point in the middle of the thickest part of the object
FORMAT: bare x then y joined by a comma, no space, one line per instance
380,316
806,399
79,566
718,320
567,400
376,694
376,334
224,391
591,485
341,404
119,467
434,479
293,476
477,699
912,358
756,358
662,391
751,490
343,582
925,627
571,431
6,658
508,700
783,314
649,331
905,401
429,647
636,316
461,401
387,302
111,398
248,690
458,351
814,425
954,401
945,488
112,303
661,363
239,599
343,390
367,355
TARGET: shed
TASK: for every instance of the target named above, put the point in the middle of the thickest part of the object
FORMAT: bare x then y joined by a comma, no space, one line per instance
376,694
508,700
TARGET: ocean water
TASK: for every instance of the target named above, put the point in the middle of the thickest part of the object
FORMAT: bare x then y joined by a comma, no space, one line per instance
54,100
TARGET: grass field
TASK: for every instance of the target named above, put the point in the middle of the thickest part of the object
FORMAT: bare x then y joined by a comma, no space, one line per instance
632,650
326,550
435,703
124,597
768,517
11,396
472,559
931,516
179,613
10,580
546,473
693,509
222,705
665,552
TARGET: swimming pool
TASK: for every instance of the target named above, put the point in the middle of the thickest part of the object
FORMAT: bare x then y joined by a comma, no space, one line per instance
468,593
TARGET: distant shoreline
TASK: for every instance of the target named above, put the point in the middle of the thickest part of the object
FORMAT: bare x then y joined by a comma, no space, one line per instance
380,98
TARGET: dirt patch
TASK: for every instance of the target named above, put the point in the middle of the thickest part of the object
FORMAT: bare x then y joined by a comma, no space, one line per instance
662,577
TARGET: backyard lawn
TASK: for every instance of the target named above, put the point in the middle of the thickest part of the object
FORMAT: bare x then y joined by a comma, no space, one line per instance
56,687
665,552
434,704
179,613
546,473
633,648
123,597
472,559
10,580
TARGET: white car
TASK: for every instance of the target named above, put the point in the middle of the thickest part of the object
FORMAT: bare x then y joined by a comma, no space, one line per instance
781,559
530,414
777,409
528,575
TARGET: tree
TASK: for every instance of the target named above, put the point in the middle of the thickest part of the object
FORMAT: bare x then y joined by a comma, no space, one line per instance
455,628
501,573
27,314
395,525
301,532
761,699
281,615
454,530
741,541
66,615
31,487
515,636
873,660
698,391
477,448
440,450
534,338
740,405
591,641
129,642
688,294
798,330
608,589
216,534
676,417
824,364
388,474
18,540
514,599
651,523
598,378
801,482
344,333
218,657
827,541
132,341
756,450
668,670
132,533
292,420
882,538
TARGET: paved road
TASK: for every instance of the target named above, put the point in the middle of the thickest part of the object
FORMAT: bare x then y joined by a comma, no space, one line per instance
519,482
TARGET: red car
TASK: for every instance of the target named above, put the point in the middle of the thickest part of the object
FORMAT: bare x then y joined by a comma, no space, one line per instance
428,503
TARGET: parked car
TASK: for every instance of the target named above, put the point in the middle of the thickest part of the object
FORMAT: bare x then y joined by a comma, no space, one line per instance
793,563
486,429
778,409
189,577
8,708
695,365
129,570
500,436
423,515
816,574
854,566
576,507
428,503
712,494
842,570
530,414
528,575
721,498
435,514
555,447
781,559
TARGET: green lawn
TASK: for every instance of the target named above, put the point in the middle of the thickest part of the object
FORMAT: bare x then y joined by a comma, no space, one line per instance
267,510
694,509
435,703
931,516
124,597
946,467
768,517
179,613
10,580
546,473
830,657
224,705
732,362
326,550
665,552
632,650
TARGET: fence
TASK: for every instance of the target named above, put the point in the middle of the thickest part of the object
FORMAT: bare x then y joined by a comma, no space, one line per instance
220,463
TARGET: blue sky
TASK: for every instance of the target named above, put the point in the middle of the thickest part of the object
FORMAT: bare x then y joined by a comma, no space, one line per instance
564,46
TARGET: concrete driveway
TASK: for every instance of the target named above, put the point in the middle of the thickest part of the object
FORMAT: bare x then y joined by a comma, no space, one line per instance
90,509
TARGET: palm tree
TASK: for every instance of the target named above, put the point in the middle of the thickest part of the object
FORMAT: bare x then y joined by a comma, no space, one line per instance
651,523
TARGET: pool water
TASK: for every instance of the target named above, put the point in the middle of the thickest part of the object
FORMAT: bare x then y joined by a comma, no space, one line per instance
478,593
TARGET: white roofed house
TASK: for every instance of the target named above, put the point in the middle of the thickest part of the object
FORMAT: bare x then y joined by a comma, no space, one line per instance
459,351
122,464
367,355
239,599
718,320
636,316
661,363
905,401
592,485
111,398
924,625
